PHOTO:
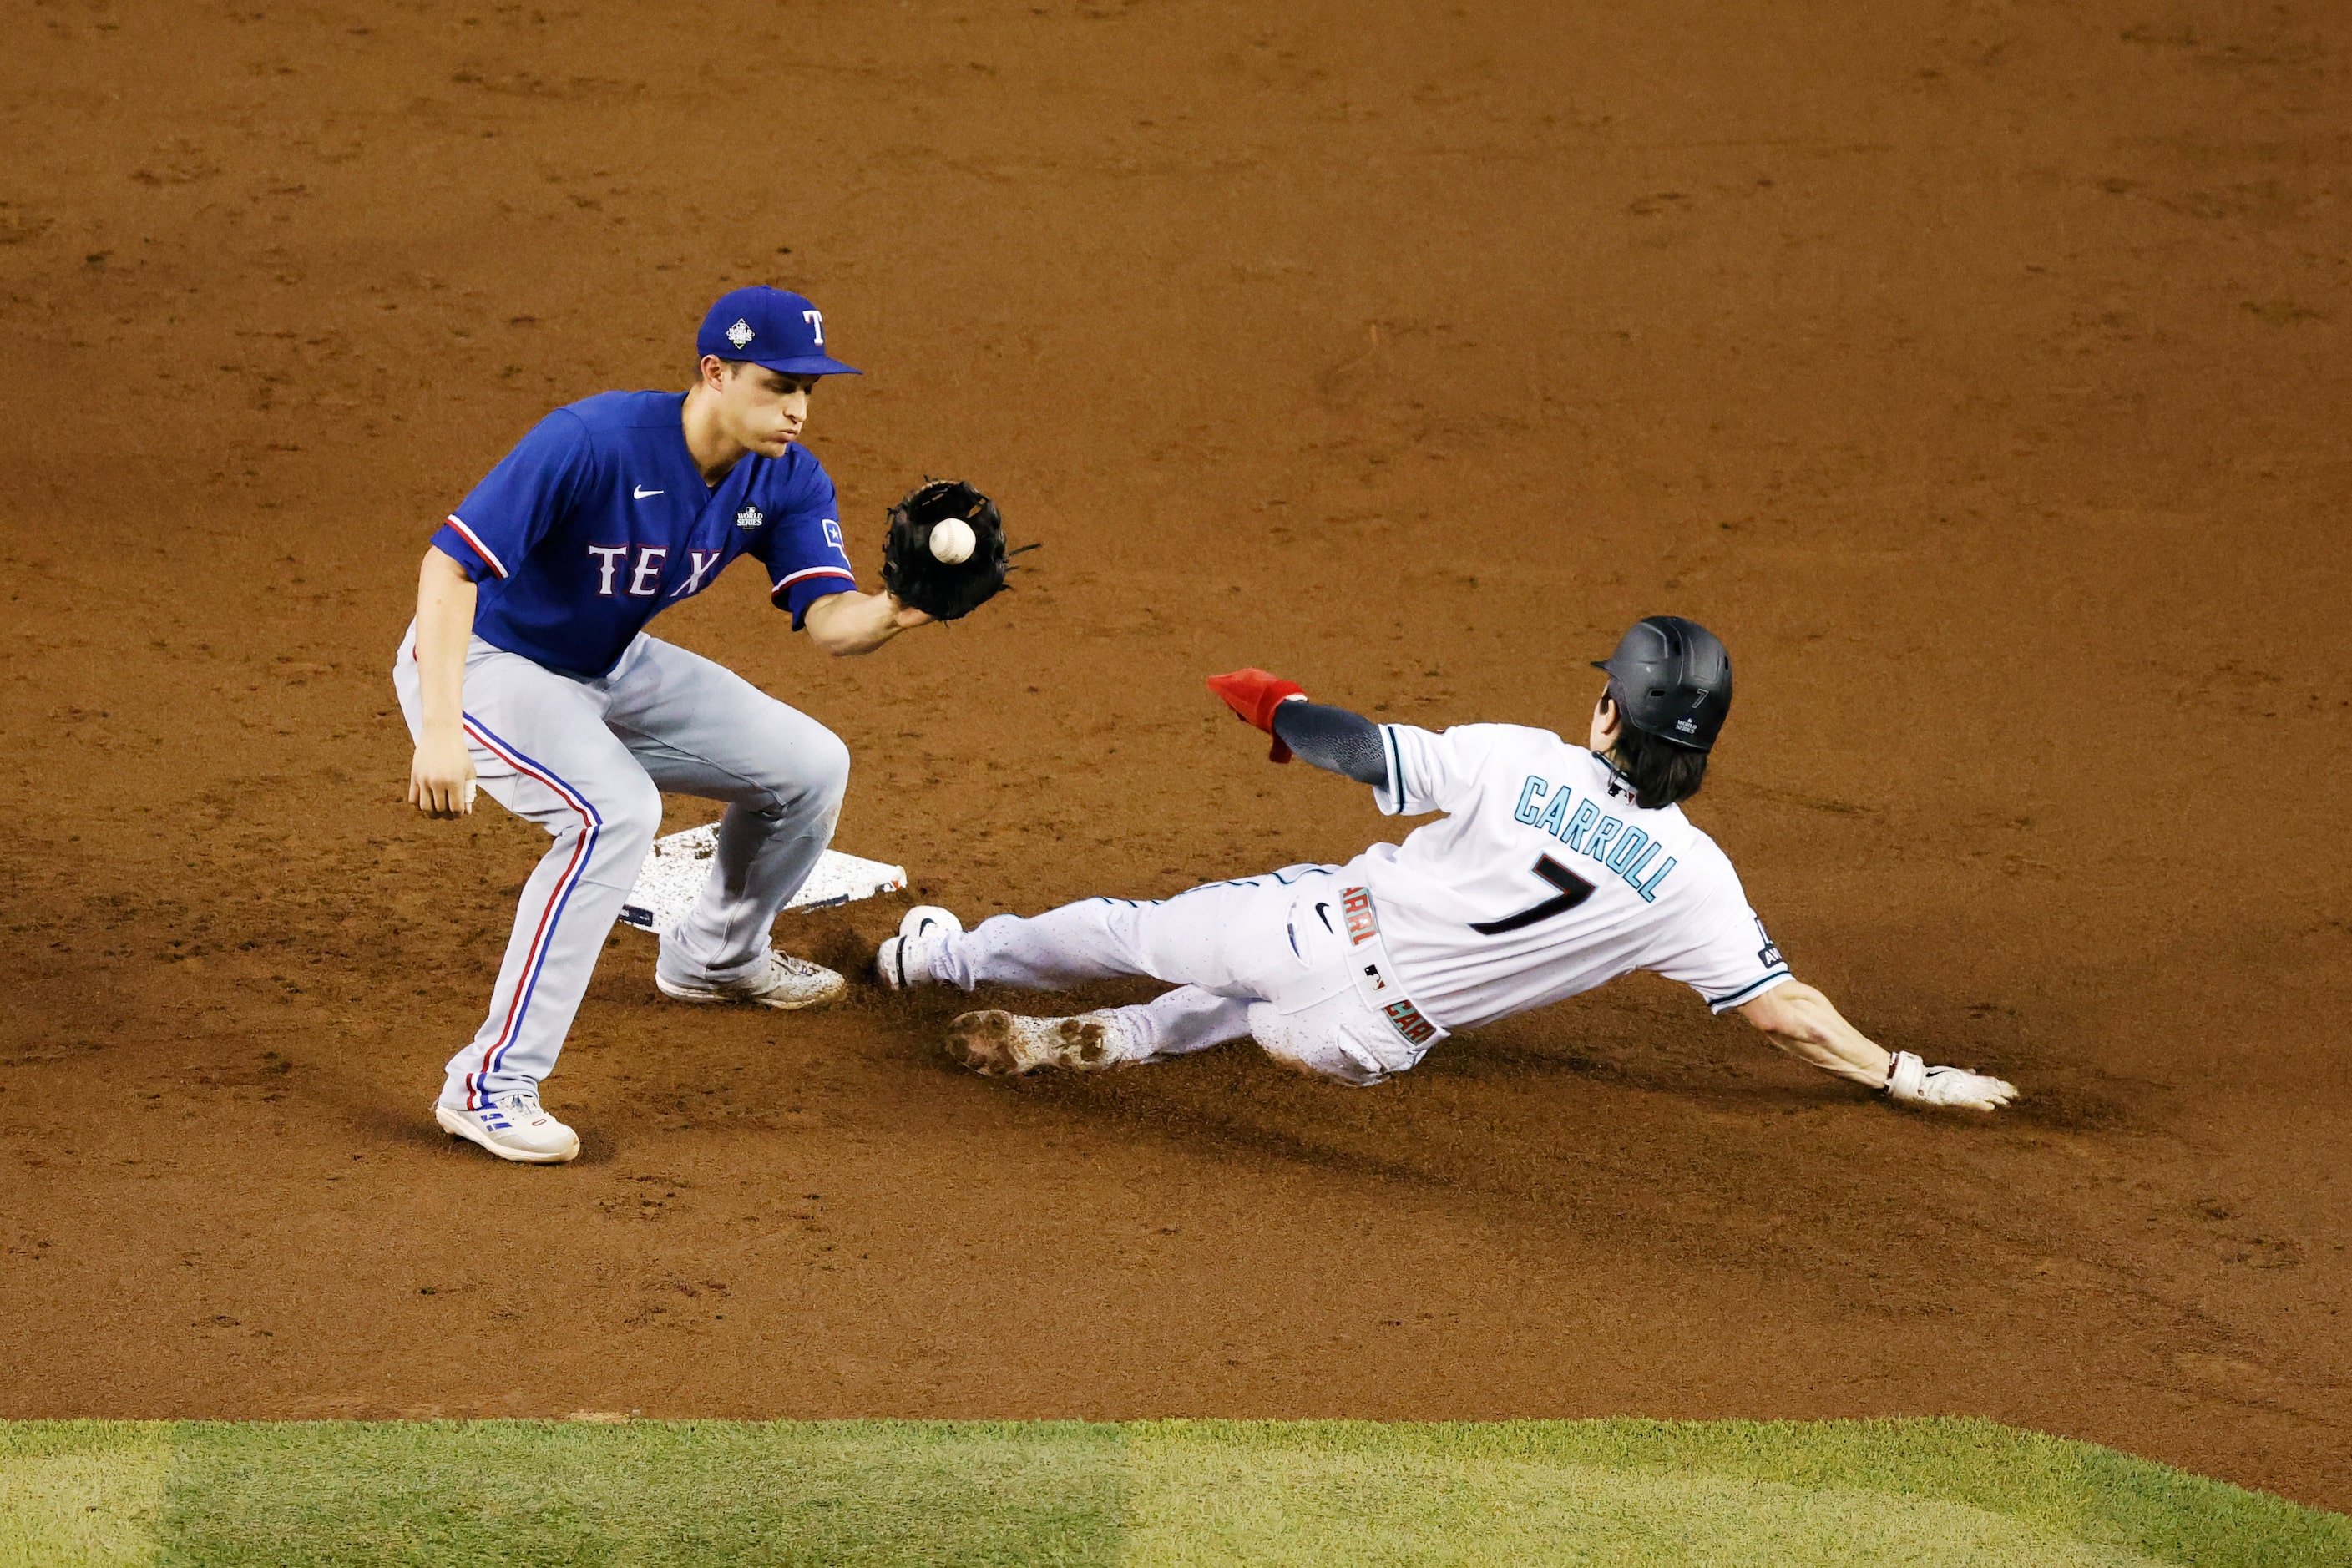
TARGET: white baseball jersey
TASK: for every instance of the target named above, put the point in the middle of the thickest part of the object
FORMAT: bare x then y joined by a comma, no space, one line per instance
1545,880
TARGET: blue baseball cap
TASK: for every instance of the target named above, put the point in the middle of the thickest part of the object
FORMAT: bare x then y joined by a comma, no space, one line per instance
770,327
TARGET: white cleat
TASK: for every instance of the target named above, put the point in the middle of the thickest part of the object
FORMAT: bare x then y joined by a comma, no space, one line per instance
1005,1045
904,960
786,982
514,1127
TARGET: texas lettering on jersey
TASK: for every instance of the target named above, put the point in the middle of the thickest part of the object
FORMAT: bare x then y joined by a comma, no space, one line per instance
599,518
645,578
1541,881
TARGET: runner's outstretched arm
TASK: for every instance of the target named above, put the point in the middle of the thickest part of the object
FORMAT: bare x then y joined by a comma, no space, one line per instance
1331,738
1803,1023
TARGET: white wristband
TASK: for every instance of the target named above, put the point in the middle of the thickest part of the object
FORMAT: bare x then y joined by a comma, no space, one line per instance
1906,1075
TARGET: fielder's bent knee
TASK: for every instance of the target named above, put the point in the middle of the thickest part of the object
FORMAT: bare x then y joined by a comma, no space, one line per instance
632,815
825,767
806,768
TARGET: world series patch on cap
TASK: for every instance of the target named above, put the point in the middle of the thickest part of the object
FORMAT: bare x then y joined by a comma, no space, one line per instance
770,327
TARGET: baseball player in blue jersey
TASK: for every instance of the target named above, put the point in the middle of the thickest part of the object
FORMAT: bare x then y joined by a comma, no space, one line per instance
528,671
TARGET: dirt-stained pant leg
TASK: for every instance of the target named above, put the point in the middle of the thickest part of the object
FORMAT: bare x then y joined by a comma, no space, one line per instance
1336,1038
1178,1023
1232,949
542,750
697,727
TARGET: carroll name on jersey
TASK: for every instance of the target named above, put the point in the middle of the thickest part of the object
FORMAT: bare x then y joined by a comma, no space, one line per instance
1589,831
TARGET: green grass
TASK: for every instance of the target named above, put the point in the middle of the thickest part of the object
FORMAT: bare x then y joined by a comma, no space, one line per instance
651,1493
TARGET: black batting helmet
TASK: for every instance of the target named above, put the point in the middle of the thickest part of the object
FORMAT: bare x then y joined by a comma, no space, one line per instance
1672,679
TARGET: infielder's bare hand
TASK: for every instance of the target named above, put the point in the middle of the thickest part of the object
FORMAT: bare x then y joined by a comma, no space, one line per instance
851,623
441,777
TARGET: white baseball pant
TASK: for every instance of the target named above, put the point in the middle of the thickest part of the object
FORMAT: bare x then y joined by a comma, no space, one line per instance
588,760
1264,956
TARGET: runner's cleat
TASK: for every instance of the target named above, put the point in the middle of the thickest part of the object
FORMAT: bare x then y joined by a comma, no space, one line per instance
905,961
1005,1045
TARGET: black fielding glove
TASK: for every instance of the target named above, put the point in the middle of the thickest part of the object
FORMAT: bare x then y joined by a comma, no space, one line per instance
912,569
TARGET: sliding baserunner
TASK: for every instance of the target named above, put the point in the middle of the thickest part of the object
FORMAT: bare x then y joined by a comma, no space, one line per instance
1557,868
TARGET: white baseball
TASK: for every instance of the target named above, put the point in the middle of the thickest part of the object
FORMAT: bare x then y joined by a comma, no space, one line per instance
952,540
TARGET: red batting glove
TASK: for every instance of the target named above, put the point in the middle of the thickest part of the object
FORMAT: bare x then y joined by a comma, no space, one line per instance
1254,695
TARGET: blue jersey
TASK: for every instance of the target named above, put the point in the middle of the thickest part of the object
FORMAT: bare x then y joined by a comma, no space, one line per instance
599,518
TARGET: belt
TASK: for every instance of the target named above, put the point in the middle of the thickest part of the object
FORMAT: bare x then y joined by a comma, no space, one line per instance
1376,977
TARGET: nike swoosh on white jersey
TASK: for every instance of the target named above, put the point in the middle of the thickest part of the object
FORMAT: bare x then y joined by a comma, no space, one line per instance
640,493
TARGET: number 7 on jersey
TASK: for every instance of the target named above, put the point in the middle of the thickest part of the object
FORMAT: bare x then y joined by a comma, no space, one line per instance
1573,890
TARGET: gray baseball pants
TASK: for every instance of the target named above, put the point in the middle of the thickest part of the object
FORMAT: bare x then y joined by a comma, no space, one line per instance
588,760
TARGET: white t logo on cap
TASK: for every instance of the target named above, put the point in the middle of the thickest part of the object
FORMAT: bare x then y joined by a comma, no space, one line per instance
741,332
816,319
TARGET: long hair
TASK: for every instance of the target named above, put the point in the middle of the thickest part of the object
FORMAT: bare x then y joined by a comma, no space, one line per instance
1661,773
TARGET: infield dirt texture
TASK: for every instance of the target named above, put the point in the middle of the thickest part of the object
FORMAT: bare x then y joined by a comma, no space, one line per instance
1979,372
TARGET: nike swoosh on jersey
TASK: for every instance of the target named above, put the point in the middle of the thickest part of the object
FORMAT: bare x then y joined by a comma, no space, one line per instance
640,493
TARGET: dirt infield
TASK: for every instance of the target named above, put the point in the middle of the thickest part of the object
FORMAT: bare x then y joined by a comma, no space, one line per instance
1979,373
